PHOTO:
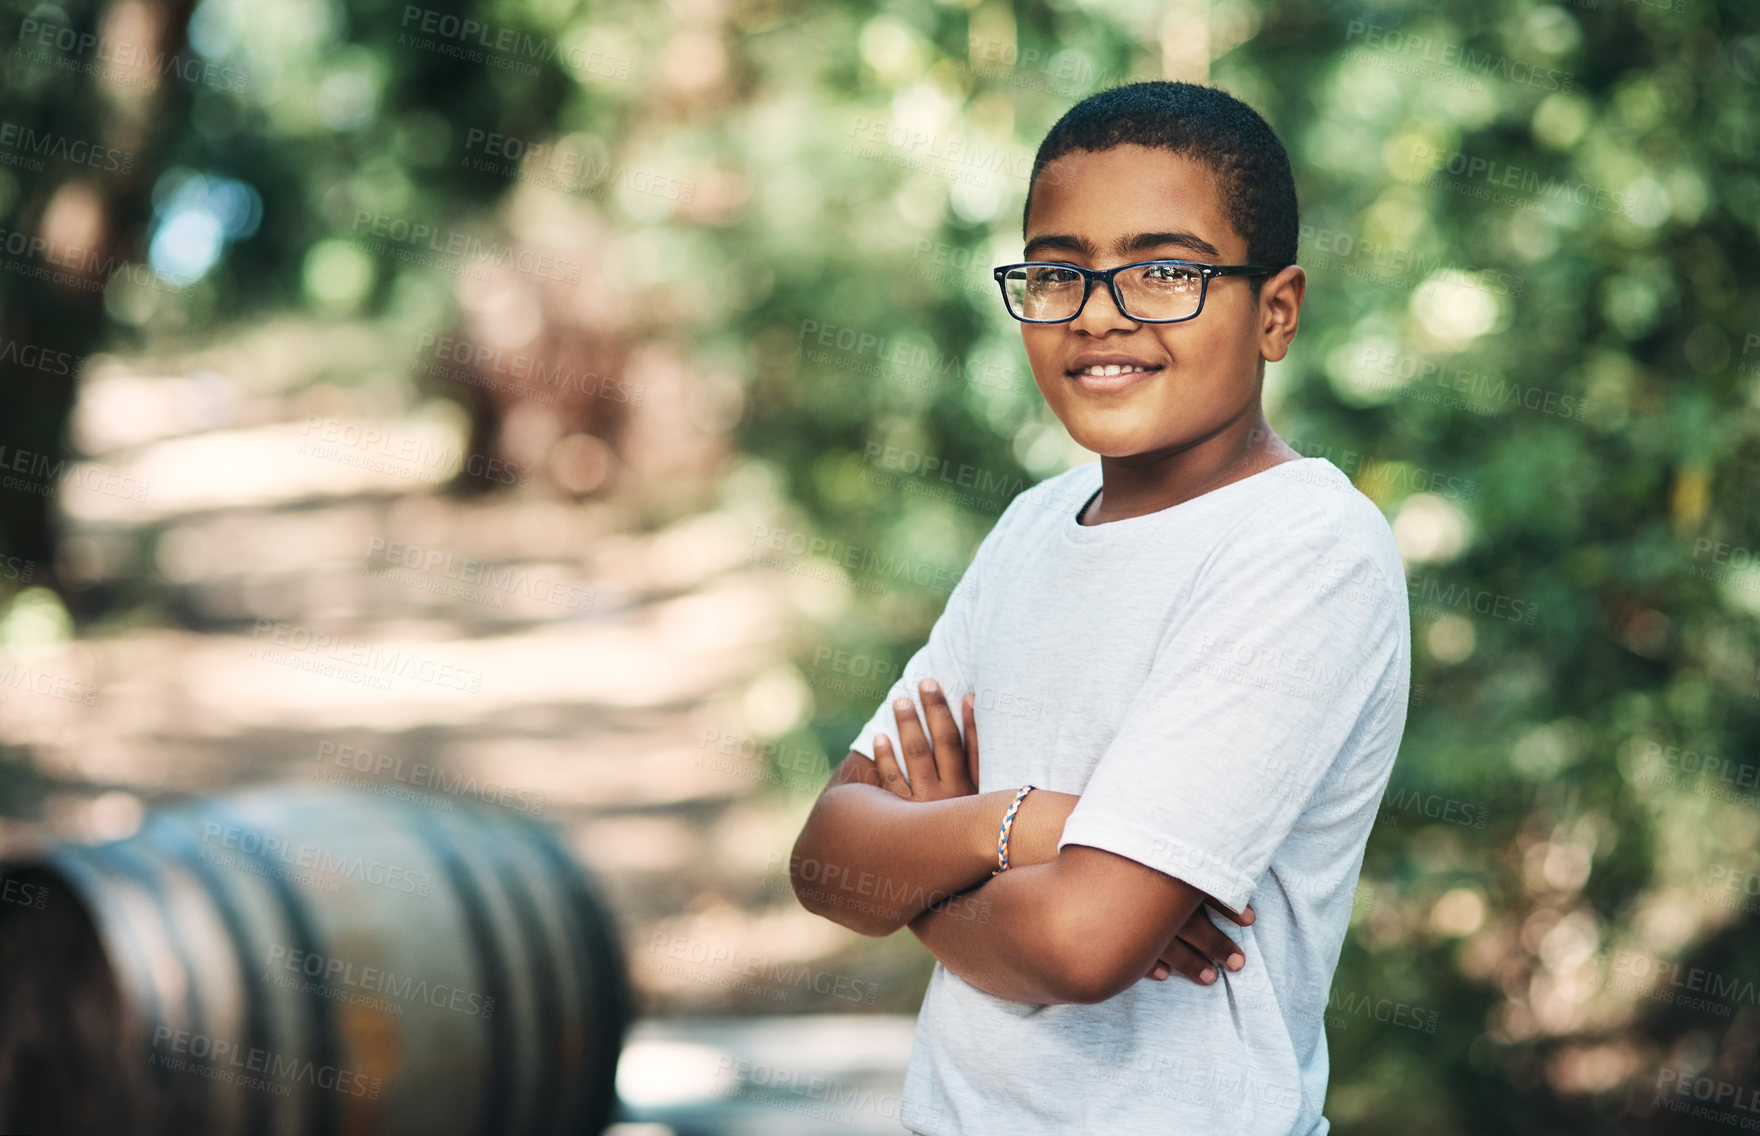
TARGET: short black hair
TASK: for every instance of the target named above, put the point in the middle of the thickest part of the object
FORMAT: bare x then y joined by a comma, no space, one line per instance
1210,126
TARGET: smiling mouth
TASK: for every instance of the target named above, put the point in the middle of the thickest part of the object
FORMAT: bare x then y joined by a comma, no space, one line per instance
1111,370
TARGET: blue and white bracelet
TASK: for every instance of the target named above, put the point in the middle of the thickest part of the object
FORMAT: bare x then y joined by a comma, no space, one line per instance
1007,828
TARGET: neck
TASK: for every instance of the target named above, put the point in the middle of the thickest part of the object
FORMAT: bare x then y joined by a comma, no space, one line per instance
1148,483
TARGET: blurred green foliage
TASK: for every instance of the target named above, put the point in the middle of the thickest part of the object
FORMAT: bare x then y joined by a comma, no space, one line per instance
1532,335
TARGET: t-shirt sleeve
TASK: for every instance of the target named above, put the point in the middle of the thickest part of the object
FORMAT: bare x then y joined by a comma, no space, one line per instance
946,656
1291,646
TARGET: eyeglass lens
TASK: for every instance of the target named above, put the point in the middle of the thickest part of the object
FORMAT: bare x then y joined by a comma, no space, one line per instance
1151,291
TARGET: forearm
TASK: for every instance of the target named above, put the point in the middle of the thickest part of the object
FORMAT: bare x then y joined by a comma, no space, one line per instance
1058,932
1038,826
872,861
1013,939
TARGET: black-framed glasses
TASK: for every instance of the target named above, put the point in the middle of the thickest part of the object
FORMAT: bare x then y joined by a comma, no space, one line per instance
1150,291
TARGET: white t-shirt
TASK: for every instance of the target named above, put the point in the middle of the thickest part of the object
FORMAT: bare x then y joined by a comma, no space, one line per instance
1224,682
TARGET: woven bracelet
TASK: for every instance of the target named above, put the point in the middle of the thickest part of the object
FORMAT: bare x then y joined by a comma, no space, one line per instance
1007,828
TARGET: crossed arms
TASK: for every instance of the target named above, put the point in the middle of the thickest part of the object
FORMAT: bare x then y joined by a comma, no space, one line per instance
1080,925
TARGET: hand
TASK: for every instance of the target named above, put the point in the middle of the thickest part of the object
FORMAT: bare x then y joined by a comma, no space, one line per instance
950,769
1198,942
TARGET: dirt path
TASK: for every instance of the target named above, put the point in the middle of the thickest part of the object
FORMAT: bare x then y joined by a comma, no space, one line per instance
298,598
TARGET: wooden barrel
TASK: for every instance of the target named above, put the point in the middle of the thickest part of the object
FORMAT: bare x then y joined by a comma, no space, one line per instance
303,961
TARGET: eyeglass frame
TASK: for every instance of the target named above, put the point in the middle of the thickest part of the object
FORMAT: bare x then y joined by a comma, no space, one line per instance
1107,277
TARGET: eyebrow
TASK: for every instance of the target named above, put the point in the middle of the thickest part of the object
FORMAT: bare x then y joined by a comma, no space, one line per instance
1141,242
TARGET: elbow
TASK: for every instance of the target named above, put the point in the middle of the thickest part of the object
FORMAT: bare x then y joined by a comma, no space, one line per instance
808,882
1089,965
814,881
1087,983
845,911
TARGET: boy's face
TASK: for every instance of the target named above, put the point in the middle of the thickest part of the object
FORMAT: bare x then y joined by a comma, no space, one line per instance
1100,209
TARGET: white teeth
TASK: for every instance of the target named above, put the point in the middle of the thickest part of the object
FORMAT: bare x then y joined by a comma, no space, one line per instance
1107,370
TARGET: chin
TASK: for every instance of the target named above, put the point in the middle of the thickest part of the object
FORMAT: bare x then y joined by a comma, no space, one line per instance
1110,443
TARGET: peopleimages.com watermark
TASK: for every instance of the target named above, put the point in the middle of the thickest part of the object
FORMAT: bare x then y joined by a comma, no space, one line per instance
72,266
367,664
823,1099
1489,393
1381,262
441,572
852,672
411,455
775,979
19,676
1426,57
1400,804
530,376
1194,1080
897,359
474,41
23,894
1722,1101
1705,774
1735,888
1530,186
340,980
31,472
25,147
938,262
1730,565
837,886
1387,473
234,1064
118,62
44,360
1432,597
566,167
429,244
17,568
1000,487
1636,974
786,549
427,775
940,479
264,853
955,158
1344,1008
762,760
1249,661
1067,73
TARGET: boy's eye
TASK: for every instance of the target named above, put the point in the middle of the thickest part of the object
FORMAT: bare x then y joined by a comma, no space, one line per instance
1041,276
1170,275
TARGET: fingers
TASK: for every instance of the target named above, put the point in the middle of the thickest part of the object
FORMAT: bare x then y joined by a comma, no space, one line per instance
950,754
1182,959
1244,919
1204,937
971,716
887,766
919,761
1198,943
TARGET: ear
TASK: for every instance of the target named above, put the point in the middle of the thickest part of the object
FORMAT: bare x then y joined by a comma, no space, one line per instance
1280,308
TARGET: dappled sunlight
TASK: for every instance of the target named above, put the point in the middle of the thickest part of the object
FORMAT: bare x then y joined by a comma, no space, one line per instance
580,412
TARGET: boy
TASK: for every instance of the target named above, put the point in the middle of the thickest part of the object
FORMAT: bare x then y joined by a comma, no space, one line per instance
1197,650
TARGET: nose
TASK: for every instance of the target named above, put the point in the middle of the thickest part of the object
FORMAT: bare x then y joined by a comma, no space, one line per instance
1100,314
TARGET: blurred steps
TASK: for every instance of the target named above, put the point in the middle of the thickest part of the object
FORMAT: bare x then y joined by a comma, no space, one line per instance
308,605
